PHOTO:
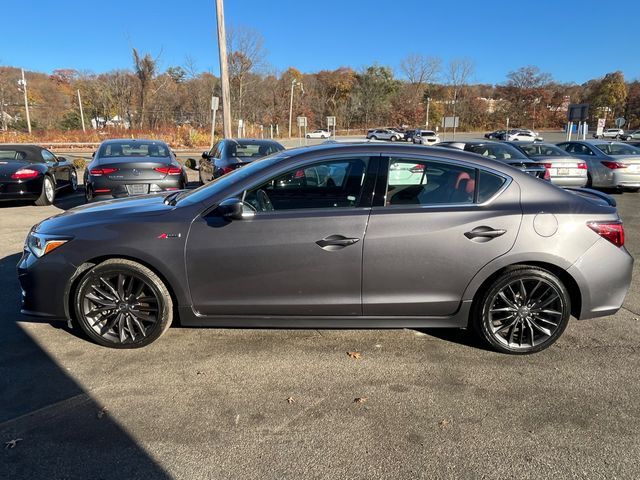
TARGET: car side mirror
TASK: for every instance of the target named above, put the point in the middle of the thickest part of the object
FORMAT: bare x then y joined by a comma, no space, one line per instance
93,154
62,159
191,164
205,155
233,209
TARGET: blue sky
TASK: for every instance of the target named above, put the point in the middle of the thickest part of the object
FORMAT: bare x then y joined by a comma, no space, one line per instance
572,40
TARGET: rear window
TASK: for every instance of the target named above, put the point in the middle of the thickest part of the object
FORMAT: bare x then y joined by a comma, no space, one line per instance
618,149
134,149
543,150
488,185
496,151
12,155
250,150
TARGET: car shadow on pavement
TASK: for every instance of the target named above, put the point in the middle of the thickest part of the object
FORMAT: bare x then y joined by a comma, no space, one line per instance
63,200
456,335
50,427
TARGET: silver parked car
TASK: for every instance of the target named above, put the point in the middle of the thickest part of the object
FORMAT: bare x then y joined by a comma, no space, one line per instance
609,164
426,137
337,236
564,170
384,134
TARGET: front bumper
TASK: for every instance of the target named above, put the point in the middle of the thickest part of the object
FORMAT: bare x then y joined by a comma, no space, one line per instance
44,282
603,274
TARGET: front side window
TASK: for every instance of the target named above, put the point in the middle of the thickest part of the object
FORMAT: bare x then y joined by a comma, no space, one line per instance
329,184
48,157
418,182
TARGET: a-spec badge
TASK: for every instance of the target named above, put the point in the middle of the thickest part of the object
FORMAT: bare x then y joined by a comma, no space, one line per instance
164,236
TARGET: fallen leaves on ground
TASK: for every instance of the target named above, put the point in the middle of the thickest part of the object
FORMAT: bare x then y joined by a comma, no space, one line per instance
360,399
12,443
445,423
355,355
102,412
291,400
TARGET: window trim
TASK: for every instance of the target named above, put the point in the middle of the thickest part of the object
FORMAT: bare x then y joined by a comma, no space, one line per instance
384,166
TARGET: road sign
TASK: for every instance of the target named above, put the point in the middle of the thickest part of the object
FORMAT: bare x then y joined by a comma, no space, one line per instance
600,128
578,112
620,121
215,103
302,121
450,122
331,122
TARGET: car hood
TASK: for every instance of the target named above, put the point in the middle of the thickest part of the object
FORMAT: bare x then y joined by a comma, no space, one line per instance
106,212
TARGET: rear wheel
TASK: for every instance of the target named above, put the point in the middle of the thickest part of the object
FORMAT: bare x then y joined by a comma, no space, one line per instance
48,194
524,311
373,137
122,304
393,139
73,184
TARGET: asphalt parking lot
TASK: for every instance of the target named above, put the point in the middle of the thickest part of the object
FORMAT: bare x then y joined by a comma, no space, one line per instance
238,403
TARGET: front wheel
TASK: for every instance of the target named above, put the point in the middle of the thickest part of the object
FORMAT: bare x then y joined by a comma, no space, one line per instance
122,304
524,311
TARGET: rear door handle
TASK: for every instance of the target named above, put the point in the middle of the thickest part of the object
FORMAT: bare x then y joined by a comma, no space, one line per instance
484,232
336,242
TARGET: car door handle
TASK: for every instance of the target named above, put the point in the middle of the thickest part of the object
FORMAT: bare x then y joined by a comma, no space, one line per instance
484,232
336,242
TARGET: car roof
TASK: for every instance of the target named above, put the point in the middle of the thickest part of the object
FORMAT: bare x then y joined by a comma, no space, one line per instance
30,148
130,140
250,141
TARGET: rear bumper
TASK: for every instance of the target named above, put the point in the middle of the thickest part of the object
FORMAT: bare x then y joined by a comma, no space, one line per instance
569,181
14,190
107,188
626,180
603,275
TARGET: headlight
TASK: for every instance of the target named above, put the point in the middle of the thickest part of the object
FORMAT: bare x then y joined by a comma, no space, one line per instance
40,244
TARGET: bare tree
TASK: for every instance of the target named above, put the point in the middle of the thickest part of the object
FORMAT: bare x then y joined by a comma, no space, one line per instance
420,69
145,70
246,56
458,74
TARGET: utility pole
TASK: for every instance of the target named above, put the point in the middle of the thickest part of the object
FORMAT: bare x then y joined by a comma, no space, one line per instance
294,84
224,70
23,84
427,122
81,111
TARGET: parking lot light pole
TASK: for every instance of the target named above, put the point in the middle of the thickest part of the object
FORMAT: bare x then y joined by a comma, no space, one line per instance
426,124
224,70
23,84
81,112
294,84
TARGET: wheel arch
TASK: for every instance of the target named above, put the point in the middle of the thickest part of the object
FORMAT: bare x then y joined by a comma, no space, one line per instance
85,267
567,280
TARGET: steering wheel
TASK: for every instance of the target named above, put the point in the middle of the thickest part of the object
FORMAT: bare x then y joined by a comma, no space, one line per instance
264,202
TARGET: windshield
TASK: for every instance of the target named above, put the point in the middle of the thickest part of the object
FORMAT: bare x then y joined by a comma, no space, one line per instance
618,149
134,149
220,183
537,150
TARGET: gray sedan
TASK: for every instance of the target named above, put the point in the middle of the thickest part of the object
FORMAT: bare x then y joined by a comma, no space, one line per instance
337,236
609,164
564,170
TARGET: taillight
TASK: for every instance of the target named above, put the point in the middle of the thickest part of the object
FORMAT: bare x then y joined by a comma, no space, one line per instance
25,173
169,170
102,171
547,175
612,231
582,166
299,174
547,165
417,168
226,170
614,165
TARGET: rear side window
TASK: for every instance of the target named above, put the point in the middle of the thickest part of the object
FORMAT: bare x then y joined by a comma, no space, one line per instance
417,182
488,185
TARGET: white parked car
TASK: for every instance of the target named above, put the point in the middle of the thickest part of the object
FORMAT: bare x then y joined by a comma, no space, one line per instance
523,136
319,134
426,137
610,133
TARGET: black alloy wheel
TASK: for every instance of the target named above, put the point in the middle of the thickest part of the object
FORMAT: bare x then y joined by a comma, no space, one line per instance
122,304
525,311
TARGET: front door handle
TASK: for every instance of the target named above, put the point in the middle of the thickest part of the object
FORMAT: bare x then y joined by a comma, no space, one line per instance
336,242
484,232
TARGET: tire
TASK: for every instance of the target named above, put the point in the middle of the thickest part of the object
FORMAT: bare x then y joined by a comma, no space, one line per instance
589,181
142,306
526,329
88,193
308,136
74,181
48,194
393,139
373,137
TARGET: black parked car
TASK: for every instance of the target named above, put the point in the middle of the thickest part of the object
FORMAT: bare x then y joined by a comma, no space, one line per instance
229,154
495,135
31,172
503,152
338,235
121,168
